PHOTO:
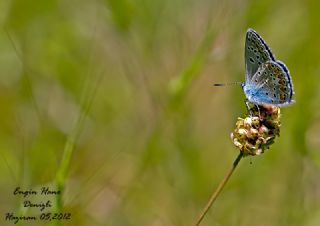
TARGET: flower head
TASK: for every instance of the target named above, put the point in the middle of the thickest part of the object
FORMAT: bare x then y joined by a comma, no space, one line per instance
255,133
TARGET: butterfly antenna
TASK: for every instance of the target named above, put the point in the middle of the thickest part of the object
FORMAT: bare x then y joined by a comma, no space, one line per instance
227,84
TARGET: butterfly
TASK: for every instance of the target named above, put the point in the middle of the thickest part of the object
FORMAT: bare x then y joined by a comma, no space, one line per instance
267,79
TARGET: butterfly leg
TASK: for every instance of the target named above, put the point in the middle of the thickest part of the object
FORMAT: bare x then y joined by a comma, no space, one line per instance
247,103
251,110
258,110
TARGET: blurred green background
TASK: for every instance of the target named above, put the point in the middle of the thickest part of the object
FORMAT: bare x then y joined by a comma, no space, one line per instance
116,97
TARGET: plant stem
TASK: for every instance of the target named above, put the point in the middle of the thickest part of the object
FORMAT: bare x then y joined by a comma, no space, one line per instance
218,190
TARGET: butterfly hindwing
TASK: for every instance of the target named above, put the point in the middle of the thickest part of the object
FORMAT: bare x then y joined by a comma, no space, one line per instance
271,84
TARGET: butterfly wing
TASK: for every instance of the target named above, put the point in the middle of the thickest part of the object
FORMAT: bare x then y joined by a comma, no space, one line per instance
271,84
257,52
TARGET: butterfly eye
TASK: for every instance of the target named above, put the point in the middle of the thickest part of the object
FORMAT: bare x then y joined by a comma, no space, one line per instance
251,59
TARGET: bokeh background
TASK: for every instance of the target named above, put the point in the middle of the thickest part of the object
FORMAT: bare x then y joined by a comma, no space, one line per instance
115,97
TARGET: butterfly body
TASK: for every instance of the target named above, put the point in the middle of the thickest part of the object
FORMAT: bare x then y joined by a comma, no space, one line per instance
267,80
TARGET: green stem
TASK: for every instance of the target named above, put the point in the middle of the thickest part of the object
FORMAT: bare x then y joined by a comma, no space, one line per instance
218,190
62,172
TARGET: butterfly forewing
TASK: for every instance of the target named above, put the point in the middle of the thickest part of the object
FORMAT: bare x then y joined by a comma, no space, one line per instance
256,53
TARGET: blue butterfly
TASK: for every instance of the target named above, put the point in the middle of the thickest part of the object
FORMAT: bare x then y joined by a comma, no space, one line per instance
267,80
